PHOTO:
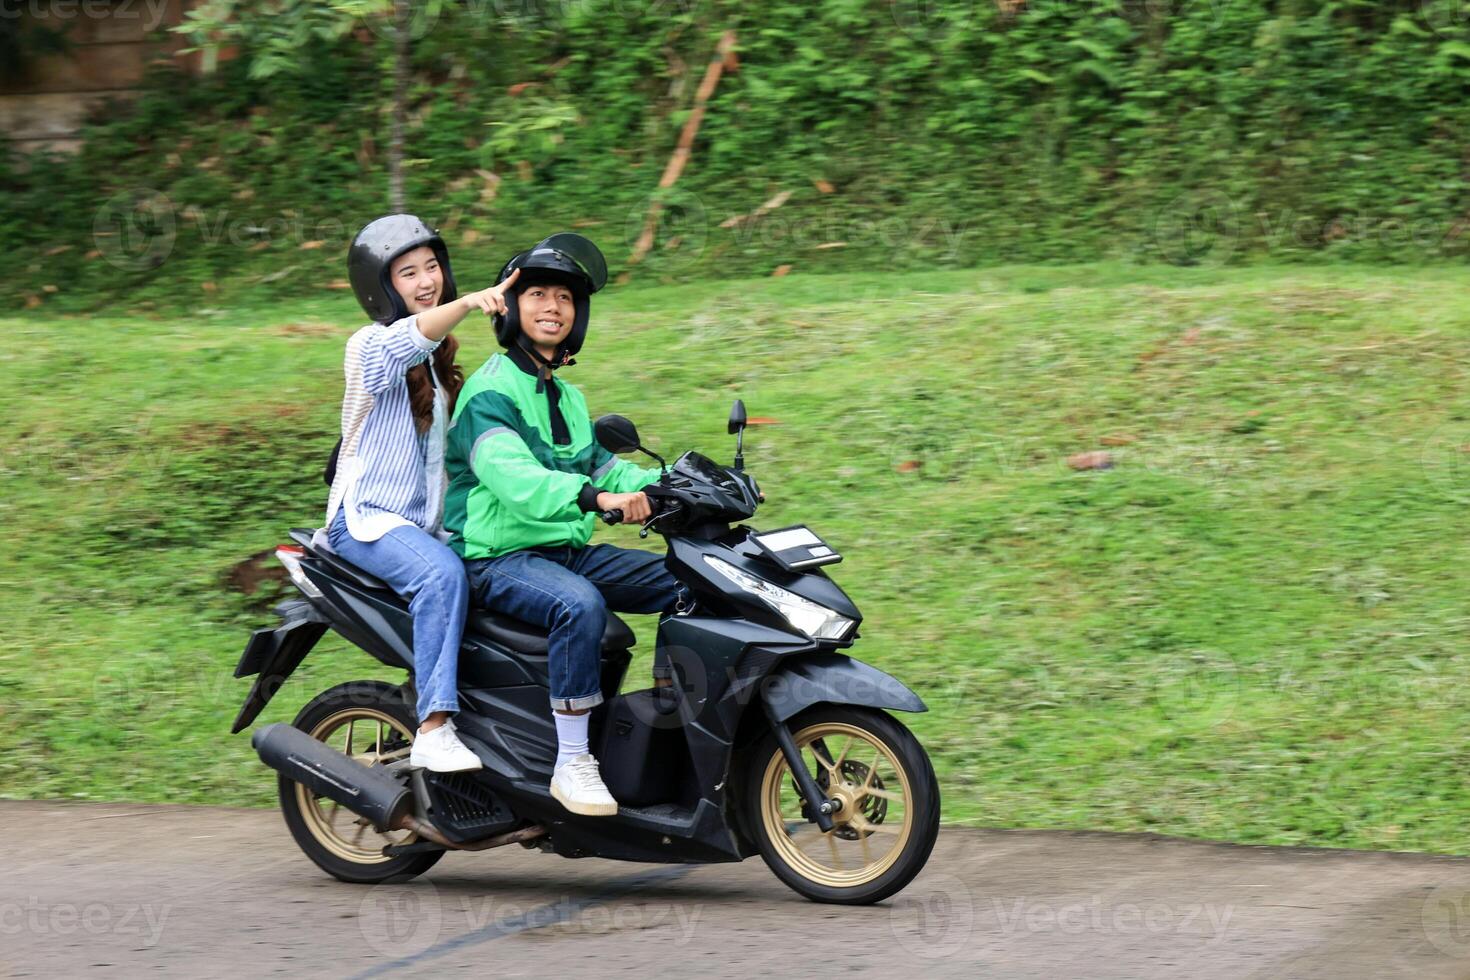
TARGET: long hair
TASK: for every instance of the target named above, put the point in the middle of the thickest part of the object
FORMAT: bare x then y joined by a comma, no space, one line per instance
421,392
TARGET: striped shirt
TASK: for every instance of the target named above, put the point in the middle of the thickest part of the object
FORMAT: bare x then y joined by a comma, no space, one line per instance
388,473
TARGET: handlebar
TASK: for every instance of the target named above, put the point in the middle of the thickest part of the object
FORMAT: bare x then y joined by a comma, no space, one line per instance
615,515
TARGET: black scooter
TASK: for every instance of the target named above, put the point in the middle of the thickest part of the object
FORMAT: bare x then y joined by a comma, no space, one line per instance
771,741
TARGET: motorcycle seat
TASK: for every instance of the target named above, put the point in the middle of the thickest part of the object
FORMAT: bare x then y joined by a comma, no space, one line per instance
523,637
509,632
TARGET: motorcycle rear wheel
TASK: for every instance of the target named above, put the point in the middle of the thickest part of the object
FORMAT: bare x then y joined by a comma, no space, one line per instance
889,819
368,721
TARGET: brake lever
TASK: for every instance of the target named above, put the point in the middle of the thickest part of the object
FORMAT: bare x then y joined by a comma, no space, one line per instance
643,532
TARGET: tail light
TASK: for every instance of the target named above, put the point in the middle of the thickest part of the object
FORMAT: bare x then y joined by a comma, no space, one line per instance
290,555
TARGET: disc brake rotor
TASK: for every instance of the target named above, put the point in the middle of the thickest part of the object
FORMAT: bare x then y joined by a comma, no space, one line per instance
872,808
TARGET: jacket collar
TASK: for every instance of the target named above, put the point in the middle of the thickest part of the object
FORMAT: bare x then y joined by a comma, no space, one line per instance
521,359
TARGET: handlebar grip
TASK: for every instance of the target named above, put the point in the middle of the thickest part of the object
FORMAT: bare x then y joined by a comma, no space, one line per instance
614,516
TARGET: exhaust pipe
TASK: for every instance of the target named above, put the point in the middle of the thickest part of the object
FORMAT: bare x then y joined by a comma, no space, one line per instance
367,792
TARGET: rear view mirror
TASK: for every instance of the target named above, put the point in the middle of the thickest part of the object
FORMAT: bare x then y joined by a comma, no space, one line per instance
616,434
737,417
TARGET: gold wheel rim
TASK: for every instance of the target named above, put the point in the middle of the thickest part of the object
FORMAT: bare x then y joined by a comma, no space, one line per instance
369,736
873,827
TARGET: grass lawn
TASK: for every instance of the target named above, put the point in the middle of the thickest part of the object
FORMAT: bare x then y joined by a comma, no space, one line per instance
1252,627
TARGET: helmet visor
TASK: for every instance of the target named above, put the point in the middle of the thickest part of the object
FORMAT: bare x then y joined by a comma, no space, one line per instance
582,252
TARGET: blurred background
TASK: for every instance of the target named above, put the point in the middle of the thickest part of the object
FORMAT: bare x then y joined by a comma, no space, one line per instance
1119,345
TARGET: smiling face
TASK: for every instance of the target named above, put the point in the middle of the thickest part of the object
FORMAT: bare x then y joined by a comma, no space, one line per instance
418,278
547,312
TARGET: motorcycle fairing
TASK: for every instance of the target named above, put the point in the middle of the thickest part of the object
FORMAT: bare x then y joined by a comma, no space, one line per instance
511,730
834,678
376,620
741,662
686,561
264,643
278,653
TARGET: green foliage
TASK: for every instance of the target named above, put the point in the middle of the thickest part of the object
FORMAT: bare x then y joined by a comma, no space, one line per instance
531,126
951,133
1251,628
282,35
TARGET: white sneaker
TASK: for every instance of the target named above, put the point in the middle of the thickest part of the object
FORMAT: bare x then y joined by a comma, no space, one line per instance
577,785
442,751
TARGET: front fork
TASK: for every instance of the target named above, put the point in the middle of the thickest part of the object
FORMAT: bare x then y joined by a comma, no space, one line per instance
817,802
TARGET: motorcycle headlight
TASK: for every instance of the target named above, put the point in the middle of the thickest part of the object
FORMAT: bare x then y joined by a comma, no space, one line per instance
816,621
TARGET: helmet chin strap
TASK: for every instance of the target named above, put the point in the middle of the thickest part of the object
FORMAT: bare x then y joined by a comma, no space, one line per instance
545,366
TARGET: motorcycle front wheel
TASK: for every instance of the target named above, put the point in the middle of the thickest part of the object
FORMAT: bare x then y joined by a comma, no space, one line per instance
368,721
889,816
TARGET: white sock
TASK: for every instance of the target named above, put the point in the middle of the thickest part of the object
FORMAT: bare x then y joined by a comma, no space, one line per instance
571,736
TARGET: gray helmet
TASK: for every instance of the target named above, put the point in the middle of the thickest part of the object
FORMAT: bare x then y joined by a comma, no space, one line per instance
567,259
371,257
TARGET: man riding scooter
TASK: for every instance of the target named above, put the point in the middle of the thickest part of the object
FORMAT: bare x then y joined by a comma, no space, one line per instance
526,481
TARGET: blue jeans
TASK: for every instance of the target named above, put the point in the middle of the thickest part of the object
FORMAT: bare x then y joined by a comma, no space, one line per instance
568,591
419,565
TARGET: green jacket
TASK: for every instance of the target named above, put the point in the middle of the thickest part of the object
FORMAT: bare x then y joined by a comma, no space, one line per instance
510,486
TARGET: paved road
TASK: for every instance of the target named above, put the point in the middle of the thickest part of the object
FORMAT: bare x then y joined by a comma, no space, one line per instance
193,892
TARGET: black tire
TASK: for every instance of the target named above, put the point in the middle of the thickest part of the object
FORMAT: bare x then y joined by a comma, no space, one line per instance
900,863
314,833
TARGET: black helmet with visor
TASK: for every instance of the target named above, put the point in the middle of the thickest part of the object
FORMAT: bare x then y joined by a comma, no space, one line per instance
563,259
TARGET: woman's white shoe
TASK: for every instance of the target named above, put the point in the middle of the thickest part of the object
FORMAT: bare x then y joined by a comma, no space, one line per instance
577,785
442,751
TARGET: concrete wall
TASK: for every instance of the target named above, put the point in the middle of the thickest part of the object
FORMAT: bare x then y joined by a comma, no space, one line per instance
111,45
